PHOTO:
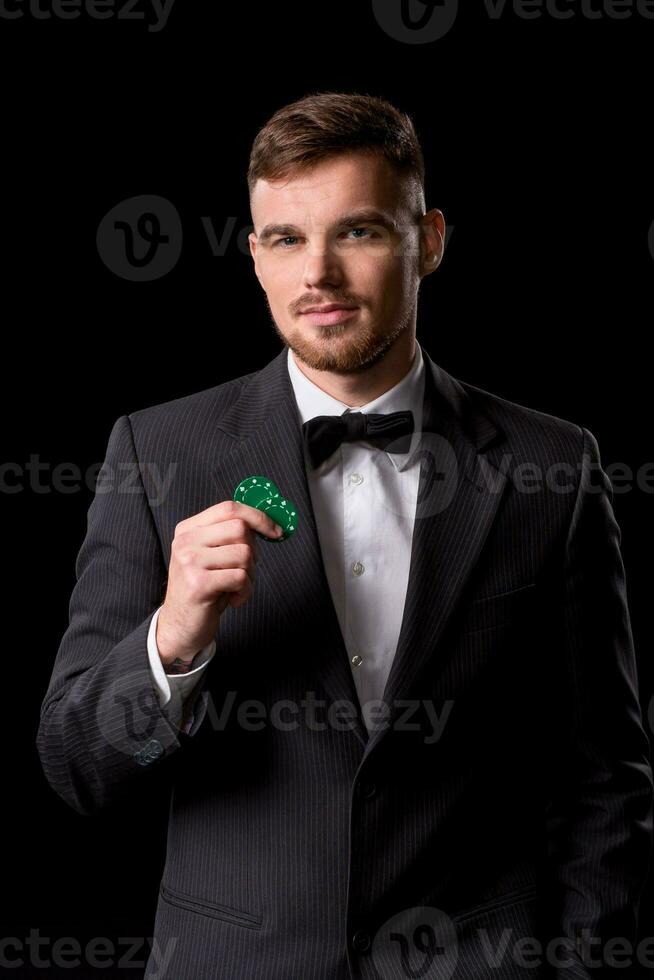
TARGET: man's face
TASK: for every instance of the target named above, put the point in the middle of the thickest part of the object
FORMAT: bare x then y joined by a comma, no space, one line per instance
345,233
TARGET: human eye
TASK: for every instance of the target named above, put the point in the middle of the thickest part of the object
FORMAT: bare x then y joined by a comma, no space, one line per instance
368,231
278,241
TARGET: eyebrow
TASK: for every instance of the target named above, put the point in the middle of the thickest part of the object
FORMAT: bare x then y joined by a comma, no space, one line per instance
351,220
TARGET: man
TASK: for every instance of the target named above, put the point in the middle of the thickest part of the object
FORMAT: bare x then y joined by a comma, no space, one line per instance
409,728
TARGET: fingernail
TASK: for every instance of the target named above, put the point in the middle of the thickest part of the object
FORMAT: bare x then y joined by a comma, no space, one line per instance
278,529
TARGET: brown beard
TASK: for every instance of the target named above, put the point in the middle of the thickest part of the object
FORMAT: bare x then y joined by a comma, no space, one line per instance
366,347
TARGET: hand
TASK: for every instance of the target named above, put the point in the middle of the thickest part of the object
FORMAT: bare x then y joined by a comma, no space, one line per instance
212,565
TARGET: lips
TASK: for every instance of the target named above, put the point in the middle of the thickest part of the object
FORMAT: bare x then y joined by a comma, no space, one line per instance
330,315
328,308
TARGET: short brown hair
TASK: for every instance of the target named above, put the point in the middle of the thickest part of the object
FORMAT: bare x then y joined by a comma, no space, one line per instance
326,124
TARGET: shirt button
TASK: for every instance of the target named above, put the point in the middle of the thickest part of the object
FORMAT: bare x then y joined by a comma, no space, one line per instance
356,660
361,941
358,567
356,479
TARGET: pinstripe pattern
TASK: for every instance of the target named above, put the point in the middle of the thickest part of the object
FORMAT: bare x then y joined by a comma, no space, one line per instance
531,810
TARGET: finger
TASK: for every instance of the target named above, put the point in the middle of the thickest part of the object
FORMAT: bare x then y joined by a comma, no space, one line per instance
236,585
232,580
228,556
228,510
226,532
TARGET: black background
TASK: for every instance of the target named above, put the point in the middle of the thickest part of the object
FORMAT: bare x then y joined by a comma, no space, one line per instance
536,135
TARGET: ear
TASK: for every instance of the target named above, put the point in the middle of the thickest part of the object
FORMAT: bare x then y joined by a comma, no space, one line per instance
432,244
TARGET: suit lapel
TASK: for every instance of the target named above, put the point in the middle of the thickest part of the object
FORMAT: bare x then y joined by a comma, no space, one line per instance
265,424
457,504
455,510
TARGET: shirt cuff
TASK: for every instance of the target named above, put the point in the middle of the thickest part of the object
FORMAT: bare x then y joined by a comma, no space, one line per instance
183,683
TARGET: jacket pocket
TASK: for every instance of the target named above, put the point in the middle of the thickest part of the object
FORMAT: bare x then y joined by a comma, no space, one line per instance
496,610
499,902
194,904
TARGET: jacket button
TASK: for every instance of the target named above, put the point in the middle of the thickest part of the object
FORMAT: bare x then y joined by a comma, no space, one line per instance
155,748
361,941
149,752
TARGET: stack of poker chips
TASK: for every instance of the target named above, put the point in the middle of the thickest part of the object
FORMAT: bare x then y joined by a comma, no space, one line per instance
262,493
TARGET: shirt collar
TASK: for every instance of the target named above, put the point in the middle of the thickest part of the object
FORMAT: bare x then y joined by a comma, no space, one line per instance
408,393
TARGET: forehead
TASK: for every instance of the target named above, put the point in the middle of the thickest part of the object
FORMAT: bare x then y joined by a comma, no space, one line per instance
329,189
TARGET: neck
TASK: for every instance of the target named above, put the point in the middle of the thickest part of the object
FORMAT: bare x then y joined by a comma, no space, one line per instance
362,387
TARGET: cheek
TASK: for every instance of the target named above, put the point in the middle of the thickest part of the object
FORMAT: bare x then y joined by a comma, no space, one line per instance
386,279
279,282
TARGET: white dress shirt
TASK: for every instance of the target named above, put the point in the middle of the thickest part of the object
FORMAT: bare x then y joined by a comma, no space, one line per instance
364,503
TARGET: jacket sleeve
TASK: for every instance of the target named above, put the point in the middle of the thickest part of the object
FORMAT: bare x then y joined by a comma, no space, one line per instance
600,823
102,727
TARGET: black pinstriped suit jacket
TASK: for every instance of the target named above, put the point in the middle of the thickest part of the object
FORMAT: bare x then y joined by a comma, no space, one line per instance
296,840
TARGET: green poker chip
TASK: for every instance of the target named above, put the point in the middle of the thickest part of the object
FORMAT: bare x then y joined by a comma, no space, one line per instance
282,512
257,494
253,489
261,492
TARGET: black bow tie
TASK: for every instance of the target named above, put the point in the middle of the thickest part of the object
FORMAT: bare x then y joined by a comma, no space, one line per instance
324,433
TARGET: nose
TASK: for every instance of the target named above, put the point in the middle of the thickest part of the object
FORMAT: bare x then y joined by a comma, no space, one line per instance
321,267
